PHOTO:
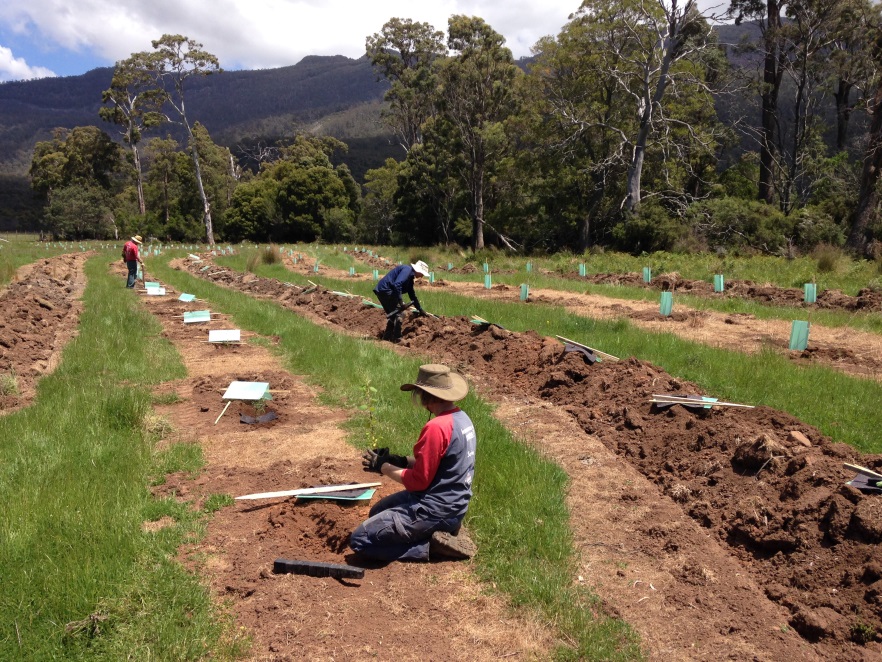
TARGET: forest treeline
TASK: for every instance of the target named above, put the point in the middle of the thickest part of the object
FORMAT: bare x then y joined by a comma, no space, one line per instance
638,127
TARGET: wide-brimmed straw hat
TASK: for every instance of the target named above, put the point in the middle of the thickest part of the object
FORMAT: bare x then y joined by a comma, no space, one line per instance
439,381
137,239
421,268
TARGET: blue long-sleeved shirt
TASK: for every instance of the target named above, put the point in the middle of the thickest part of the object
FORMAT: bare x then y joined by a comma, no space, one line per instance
398,282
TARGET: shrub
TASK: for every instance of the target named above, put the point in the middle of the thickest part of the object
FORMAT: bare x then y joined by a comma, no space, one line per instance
650,229
814,227
737,223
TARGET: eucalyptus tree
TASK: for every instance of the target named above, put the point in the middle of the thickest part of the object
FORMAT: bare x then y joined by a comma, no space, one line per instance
133,103
851,63
174,61
301,197
579,121
406,54
767,14
475,97
867,208
77,172
807,39
810,48
82,156
626,78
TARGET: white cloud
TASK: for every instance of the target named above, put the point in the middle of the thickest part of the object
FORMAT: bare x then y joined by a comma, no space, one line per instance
262,33
15,68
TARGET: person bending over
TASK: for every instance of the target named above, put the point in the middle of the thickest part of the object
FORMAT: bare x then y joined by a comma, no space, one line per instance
391,290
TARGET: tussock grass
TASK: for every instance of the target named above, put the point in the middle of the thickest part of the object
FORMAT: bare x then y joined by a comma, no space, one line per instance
74,469
518,516
8,383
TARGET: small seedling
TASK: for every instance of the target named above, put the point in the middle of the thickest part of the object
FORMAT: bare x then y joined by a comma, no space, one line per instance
369,406
862,633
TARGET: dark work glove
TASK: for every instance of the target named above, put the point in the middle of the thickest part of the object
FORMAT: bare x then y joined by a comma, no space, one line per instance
373,460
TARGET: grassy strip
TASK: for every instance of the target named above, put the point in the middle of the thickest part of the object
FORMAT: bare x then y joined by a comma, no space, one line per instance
21,249
518,515
768,378
80,578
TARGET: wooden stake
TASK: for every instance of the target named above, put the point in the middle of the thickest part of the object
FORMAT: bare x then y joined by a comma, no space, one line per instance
309,490
602,355
223,412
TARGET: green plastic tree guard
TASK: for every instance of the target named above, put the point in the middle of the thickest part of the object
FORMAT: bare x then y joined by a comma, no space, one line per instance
719,283
525,291
667,303
487,284
647,275
799,333
811,293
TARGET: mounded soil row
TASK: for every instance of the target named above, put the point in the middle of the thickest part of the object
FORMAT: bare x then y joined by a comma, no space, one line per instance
39,313
733,526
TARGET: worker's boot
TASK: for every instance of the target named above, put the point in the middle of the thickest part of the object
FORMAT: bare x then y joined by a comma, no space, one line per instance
396,328
389,333
450,546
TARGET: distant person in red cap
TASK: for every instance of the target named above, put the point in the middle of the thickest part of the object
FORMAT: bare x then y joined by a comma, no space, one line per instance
390,291
423,521
131,254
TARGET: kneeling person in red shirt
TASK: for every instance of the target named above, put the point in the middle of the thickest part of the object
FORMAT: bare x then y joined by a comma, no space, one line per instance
423,521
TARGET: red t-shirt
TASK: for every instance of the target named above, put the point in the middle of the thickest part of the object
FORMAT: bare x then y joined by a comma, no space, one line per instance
130,251
428,451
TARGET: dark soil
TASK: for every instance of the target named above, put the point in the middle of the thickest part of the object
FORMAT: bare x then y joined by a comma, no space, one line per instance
39,313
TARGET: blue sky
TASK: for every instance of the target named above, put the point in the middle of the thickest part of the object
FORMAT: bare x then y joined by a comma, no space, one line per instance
40,38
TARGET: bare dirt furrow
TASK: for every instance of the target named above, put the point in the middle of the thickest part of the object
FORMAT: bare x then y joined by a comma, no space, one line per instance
720,533
39,314
398,611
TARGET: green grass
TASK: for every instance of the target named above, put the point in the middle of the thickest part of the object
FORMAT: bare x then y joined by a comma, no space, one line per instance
80,577
521,525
